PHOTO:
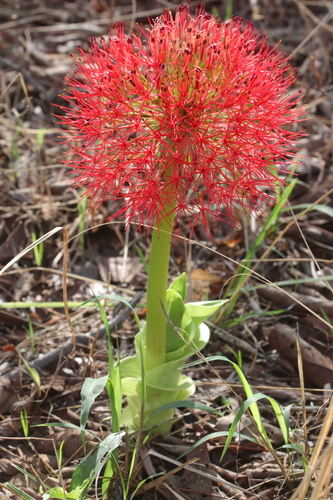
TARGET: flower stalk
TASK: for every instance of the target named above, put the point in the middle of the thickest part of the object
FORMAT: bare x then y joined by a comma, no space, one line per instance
185,118
156,293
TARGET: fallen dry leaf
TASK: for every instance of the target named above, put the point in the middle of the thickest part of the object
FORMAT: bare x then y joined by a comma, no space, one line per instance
317,368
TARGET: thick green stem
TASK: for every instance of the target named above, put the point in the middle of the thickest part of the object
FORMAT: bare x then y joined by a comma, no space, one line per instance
156,293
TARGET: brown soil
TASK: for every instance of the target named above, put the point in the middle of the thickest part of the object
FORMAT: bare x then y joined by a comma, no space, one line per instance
267,326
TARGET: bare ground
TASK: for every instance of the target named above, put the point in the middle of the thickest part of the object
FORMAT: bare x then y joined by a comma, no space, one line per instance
35,41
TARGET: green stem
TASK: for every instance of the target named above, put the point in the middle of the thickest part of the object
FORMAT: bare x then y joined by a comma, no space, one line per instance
156,292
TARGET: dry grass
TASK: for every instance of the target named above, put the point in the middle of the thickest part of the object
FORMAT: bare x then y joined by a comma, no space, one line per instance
35,42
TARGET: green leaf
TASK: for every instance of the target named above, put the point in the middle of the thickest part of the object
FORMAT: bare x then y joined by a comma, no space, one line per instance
60,493
114,389
91,466
92,387
33,374
165,384
175,309
200,311
179,285
56,492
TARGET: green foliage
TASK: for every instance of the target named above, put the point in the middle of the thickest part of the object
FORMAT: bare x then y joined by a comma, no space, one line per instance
165,384
327,319
40,137
60,455
238,356
89,469
59,492
142,258
34,375
92,387
229,9
31,333
91,466
81,210
250,404
86,472
24,422
38,249
28,248
104,454
53,305
244,271
18,492
188,404
298,450
324,209
114,390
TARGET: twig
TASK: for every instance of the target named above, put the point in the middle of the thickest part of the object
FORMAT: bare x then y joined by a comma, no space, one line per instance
81,339
38,86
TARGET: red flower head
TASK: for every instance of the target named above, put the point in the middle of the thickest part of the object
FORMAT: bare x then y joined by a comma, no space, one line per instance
190,115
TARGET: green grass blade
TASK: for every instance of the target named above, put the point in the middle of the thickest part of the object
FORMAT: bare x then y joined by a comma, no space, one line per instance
34,478
187,404
142,258
213,436
39,305
247,404
324,209
243,274
18,492
251,403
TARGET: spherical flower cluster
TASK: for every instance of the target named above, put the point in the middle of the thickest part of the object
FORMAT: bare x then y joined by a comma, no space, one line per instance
190,114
